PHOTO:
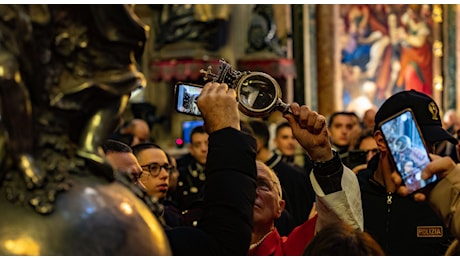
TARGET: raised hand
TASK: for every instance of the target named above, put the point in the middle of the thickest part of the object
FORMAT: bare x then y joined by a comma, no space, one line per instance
310,130
218,106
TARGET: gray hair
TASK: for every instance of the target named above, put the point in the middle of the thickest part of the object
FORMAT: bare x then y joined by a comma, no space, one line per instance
273,177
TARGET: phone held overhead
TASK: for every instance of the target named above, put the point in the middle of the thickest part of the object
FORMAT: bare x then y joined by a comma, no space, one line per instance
186,95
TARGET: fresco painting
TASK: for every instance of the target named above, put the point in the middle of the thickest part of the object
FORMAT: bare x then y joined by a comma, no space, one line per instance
385,48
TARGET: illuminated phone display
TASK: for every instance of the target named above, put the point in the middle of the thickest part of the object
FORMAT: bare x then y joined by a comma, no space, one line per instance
186,95
407,149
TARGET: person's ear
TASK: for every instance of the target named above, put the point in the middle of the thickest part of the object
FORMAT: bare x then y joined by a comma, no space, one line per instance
381,144
282,204
140,184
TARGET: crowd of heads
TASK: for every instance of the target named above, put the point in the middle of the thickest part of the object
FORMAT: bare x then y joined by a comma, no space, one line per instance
158,173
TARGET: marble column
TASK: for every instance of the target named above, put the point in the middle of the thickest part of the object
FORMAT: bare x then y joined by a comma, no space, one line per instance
328,61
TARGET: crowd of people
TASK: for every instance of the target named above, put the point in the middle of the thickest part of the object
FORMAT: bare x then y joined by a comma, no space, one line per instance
283,208
235,193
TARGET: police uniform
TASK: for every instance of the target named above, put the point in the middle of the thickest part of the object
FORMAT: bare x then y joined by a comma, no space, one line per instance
190,184
400,225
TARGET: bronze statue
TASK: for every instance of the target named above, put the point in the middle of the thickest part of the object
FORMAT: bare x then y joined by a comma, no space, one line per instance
66,73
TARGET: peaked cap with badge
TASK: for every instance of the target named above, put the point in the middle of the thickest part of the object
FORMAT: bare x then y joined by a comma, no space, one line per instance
425,110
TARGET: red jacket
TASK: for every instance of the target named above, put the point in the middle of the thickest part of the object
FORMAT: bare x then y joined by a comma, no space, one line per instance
292,245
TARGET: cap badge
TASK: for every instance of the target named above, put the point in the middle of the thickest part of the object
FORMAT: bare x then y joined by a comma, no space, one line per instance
433,110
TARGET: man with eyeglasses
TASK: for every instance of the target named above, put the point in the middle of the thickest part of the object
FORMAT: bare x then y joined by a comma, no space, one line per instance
128,171
298,192
155,169
268,206
231,184
334,206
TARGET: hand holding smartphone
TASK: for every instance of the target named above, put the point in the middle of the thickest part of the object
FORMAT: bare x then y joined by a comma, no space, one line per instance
407,148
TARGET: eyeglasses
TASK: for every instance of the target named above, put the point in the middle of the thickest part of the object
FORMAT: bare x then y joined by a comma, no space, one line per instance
154,169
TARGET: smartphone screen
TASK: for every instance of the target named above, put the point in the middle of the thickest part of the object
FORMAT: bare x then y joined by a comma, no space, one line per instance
407,148
186,95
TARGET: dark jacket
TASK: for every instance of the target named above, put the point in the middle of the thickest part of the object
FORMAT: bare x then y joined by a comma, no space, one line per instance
229,194
400,225
189,190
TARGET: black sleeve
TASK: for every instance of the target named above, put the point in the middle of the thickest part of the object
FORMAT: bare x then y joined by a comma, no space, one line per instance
329,174
226,225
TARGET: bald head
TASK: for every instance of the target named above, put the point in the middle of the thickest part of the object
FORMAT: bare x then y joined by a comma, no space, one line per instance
139,129
369,118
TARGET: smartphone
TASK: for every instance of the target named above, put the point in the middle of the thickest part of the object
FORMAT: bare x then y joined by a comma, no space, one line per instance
357,157
186,95
407,149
